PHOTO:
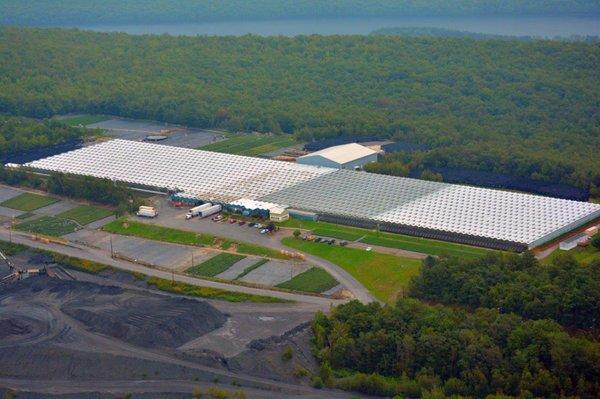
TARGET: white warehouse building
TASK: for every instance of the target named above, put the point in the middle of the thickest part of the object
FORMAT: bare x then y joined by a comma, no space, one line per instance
345,156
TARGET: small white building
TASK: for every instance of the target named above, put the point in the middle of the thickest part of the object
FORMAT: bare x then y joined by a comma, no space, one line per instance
345,156
279,214
572,242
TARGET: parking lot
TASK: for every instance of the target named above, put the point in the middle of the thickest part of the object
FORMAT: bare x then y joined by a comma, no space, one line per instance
137,130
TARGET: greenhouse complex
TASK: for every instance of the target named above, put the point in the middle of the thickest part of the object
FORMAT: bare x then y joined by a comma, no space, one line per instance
471,215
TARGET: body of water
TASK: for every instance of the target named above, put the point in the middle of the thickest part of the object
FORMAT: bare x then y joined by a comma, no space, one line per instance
547,27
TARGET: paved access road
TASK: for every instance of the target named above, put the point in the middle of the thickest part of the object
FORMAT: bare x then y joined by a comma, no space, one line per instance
98,255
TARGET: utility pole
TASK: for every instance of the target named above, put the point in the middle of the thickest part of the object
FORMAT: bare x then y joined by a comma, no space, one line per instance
111,247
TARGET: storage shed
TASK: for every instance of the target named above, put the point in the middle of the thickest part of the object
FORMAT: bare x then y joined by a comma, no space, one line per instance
345,156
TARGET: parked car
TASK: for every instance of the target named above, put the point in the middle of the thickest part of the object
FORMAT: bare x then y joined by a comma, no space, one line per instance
264,231
258,226
242,222
251,224
232,221
343,243
318,239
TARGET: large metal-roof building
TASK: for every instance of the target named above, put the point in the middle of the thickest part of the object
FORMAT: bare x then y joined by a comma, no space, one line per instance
478,216
345,156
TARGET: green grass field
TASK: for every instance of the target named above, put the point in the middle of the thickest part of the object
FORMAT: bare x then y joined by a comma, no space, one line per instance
48,225
251,268
85,214
84,120
207,292
390,240
27,202
215,265
312,280
584,256
251,145
386,276
159,233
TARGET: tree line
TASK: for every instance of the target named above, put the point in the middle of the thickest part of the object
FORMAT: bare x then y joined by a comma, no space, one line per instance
417,350
562,290
76,12
18,134
528,108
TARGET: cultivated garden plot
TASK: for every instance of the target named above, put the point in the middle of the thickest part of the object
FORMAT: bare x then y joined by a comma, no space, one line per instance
48,225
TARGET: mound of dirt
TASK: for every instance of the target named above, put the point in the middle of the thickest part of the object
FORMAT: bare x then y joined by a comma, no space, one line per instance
148,321
13,326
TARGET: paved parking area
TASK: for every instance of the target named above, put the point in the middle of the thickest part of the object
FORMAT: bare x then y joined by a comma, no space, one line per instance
7,193
170,256
274,272
137,130
10,213
238,268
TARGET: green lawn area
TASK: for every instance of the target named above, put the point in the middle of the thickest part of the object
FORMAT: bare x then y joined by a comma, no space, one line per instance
312,280
207,292
252,267
85,214
11,249
48,225
215,265
251,144
27,202
127,227
386,276
390,240
83,120
584,256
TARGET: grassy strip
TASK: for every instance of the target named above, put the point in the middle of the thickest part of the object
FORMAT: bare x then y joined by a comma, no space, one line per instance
24,216
585,255
85,214
48,225
10,249
27,202
313,280
336,233
83,120
209,293
215,265
167,234
390,240
386,276
251,268
83,265
250,145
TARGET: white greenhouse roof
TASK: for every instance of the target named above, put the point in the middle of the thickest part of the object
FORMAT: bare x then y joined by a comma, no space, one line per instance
493,214
207,175
342,153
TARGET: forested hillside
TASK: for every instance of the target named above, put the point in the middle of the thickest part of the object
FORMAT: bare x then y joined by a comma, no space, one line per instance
530,108
74,12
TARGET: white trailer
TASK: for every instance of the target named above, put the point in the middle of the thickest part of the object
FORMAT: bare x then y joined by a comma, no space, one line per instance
147,212
210,211
195,211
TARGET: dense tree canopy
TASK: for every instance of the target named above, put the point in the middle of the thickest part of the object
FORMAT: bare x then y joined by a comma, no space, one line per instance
73,12
529,107
422,348
564,290
19,134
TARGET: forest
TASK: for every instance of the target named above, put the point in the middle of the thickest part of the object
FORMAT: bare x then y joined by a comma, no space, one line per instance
563,290
76,12
417,350
19,135
530,109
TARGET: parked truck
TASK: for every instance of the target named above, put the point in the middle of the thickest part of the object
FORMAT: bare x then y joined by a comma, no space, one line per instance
147,212
195,211
210,211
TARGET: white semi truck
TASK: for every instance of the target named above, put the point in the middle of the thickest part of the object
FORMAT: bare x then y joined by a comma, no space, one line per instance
195,211
147,212
210,211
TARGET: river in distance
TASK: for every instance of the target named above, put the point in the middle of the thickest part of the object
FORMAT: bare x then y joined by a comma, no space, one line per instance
546,27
